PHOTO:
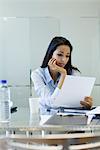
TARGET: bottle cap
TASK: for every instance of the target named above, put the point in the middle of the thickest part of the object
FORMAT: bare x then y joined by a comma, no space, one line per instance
4,81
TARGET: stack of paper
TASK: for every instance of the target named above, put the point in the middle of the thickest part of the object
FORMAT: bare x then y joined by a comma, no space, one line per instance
89,113
92,114
95,111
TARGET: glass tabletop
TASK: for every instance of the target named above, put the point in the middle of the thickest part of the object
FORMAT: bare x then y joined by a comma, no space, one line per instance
25,127
23,121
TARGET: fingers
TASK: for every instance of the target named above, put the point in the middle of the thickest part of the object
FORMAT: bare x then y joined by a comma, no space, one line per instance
52,61
53,66
87,102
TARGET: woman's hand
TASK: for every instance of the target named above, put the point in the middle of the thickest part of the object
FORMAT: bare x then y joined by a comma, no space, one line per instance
87,102
53,66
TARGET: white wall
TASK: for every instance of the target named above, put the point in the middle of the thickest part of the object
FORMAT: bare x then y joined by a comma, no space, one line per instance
72,16
53,8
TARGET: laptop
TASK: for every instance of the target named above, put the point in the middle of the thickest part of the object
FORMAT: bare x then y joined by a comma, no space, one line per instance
67,120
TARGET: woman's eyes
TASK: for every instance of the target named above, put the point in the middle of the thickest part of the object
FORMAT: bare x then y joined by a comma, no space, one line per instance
59,54
67,56
62,55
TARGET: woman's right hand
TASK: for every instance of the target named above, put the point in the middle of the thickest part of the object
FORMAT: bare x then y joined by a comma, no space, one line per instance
53,66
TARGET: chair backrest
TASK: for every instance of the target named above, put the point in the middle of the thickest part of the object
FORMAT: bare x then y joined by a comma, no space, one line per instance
37,142
59,139
87,141
34,105
23,146
94,145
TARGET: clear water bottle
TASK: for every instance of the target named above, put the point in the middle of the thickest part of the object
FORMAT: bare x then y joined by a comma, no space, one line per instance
4,101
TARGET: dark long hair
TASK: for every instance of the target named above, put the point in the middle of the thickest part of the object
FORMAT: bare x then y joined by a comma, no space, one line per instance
55,42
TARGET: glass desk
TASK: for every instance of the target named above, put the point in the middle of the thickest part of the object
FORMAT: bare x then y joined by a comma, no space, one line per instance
25,128
21,121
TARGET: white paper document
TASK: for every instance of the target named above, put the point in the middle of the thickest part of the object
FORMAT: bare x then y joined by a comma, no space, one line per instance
95,111
74,89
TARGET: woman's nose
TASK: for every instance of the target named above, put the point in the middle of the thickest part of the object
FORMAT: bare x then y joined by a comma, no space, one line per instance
64,59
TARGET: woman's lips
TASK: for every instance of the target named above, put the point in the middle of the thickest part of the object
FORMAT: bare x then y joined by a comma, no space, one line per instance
61,65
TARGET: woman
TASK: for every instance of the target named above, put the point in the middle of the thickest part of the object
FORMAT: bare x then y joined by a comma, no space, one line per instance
49,78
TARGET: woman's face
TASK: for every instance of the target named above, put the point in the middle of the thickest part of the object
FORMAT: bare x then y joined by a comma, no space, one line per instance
61,54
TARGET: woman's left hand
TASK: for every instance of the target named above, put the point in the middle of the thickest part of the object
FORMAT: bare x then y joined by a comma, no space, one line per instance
87,102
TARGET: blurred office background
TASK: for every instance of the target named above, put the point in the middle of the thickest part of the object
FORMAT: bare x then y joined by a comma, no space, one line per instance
27,27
